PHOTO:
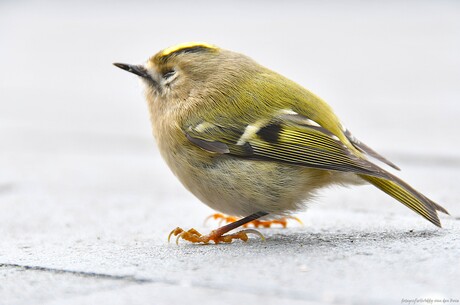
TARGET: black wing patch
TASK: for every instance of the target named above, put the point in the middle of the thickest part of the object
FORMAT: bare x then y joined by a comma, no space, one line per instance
270,133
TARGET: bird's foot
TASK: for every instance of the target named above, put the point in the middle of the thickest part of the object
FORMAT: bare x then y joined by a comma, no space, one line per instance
256,223
216,236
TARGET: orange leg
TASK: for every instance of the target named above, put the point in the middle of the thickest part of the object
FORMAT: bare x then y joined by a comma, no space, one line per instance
256,223
218,235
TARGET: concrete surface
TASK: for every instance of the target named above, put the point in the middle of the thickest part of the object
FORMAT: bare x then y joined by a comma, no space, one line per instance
86,203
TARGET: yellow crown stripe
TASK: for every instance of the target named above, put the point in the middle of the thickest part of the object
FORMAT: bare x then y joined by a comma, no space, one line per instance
187,45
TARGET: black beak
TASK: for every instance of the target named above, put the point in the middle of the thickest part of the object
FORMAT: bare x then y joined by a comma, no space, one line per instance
136,69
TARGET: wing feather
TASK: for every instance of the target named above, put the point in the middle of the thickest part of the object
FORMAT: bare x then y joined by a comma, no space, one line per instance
367,150
283,140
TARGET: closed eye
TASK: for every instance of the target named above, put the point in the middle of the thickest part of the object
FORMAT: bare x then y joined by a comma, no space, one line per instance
168,74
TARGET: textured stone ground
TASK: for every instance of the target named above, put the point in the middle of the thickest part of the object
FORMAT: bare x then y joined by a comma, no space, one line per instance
86,203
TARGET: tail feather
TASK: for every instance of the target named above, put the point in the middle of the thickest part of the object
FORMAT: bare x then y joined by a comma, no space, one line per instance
437,206
403,192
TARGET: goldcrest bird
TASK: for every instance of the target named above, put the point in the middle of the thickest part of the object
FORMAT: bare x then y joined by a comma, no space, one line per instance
249,142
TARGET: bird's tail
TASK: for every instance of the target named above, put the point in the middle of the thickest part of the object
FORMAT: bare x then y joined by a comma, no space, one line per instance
408,196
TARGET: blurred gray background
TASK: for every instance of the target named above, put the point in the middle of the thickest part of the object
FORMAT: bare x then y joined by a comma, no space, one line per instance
83,188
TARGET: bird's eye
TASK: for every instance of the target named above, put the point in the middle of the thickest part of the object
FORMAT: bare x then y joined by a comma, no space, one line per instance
168,74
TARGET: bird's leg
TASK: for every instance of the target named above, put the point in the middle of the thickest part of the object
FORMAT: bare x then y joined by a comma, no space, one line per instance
218,235
256,223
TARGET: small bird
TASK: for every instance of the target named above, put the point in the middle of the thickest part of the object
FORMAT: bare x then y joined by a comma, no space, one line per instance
249,142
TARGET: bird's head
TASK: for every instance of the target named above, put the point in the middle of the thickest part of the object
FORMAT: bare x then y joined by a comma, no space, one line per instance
176,71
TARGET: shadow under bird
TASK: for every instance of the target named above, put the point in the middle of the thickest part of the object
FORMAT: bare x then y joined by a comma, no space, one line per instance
249,142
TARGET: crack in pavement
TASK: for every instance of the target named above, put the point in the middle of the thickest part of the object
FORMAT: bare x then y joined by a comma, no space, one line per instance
250,290
96,275
294,294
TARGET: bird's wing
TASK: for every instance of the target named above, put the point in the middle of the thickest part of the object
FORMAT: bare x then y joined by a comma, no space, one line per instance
286,137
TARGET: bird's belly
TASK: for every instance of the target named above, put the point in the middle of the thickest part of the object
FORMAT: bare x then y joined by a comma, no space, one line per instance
241,187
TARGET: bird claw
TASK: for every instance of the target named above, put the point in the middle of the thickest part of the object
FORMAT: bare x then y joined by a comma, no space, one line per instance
222,218
194,236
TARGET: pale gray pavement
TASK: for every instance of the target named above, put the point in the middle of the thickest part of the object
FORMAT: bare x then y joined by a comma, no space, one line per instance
86,202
